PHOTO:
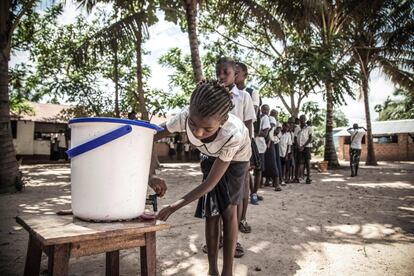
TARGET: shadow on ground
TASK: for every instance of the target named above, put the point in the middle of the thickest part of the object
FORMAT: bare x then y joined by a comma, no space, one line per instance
336,226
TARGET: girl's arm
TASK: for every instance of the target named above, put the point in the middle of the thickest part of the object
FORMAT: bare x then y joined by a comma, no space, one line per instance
161,134
216,173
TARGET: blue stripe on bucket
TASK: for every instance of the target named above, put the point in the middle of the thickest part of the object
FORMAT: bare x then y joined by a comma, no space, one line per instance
99,141
116,120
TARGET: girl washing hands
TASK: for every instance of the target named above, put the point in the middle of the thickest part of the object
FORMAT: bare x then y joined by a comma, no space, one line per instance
225,142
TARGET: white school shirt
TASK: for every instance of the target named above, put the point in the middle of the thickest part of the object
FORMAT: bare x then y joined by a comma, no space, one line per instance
260,141
356,138
231,144
274,137
303,136
285,141
255,98
243,105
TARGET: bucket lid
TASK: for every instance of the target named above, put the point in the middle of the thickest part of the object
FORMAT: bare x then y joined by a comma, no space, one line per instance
117,121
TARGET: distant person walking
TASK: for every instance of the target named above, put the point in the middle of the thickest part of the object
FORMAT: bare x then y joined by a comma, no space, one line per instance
357,133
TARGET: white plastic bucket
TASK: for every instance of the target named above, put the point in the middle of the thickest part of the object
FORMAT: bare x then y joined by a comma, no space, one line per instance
110,162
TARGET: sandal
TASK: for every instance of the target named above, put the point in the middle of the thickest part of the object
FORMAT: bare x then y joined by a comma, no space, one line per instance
239,251
220,245
308,181
259,197
278,188
244,227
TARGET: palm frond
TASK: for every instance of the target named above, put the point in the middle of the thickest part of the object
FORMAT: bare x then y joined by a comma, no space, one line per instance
120,32
402,77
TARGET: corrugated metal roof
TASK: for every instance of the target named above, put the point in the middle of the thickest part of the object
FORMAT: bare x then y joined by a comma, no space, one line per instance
386,127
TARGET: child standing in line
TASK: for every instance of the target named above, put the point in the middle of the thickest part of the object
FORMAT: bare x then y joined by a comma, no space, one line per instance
271,172
225,143
244,110
285,146
304,142
241,75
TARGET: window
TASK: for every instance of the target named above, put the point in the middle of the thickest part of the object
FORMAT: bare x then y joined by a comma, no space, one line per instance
348,140
386,139
14,129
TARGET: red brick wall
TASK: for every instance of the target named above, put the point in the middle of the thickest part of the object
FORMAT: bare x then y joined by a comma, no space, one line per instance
403,151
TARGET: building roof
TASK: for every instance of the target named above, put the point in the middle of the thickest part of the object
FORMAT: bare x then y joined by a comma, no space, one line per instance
52,113
43,113
387,127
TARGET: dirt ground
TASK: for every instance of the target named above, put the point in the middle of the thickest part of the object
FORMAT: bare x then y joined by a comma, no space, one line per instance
336,226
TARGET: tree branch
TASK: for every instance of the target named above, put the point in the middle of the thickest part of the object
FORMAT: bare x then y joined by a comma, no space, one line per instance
22,12
284,102
245,46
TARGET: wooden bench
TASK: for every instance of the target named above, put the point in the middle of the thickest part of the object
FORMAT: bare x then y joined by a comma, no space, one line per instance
62,237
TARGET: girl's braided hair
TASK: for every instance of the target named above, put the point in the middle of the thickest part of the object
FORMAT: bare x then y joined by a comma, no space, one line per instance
211,98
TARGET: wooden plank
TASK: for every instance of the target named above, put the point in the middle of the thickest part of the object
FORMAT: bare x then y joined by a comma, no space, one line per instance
33,258
148,255
91,247
58,262
52,229
112,263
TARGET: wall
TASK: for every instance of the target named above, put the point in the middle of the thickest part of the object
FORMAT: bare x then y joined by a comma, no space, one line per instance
401,151
24,142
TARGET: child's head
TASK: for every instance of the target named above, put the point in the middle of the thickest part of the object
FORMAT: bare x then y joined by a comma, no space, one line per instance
210,104
241,73
274,113
226,71
297,121
265,109
285,127
302,120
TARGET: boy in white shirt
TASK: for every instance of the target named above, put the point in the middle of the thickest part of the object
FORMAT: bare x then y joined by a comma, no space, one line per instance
261,146
304,143
285,146
357,133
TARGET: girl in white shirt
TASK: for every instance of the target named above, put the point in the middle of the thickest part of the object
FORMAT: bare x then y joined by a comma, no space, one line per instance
225,141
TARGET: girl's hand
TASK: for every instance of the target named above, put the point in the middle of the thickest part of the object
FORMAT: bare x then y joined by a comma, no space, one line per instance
165,213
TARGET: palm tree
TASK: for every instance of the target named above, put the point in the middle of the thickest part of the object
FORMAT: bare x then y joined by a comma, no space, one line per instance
382,37
191,17
11,13
324,19
138,15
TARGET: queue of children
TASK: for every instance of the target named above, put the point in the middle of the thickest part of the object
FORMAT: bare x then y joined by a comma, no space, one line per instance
236,135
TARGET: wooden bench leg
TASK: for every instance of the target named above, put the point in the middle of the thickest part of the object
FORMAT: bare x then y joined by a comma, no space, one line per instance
148,255
58,263
112,263
33,258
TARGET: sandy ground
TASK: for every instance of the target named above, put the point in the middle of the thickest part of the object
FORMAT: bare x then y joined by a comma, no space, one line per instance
336,226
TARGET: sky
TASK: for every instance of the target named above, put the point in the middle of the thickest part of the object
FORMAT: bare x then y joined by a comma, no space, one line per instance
165,35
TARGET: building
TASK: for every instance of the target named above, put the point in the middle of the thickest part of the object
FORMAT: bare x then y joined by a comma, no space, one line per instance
393,141
33,133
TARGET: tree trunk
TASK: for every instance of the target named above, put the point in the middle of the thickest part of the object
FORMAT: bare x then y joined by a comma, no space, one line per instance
116,78
330,152
140,85
371,159
8,163
191,15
